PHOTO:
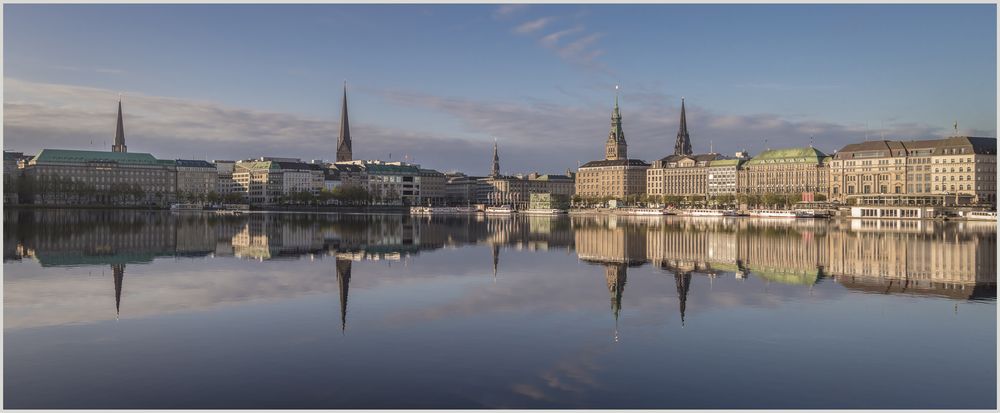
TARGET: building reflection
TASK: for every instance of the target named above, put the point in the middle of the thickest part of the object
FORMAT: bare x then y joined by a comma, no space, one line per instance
946,259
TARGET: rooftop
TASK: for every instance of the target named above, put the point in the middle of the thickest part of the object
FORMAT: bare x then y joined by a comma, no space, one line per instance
789,155
616,162
77,156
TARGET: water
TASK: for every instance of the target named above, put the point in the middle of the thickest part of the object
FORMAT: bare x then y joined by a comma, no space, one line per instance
132,309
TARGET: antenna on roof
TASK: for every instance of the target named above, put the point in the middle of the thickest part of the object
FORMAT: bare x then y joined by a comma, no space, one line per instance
711,146
866,131
956,128
810,141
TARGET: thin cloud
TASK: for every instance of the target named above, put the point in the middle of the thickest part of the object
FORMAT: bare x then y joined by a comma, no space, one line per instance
533,25
506,10
552,39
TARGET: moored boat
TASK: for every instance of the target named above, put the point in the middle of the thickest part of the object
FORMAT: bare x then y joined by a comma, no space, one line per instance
641,211
772,213
500,210
186,207
543,211
708,213
980,215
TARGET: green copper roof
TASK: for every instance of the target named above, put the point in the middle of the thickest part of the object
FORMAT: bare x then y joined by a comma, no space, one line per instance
75,156
399,169
789,155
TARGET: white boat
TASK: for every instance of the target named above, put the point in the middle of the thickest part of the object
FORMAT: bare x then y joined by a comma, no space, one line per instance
186,207
708,213
642,211
541,211
772,213
811,213
426,210
500,210
981,215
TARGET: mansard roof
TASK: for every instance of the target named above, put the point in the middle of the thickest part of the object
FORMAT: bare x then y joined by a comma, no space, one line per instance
77,156
789,155
616,162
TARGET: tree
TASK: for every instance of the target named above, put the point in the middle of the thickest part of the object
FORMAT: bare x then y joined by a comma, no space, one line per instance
772,199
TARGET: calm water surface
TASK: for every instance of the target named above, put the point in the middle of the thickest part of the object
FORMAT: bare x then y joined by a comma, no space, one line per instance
132,309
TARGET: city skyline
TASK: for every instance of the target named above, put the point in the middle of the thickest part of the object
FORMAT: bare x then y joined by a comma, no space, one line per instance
549,110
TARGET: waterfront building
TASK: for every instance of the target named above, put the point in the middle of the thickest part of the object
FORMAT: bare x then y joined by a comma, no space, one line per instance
791,171
345,152
548,201
460,189
966,166
723,176
331,179
680,175
616,176
224,183
432,187
12,168
516,190
269,180
955,170
196,178
62,176
393,182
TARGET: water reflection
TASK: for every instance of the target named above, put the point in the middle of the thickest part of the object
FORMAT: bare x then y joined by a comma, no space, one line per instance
516,302
955,260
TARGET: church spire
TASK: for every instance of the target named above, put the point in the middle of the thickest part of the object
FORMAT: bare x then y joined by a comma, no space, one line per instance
683,145
343,283
495,171
616,148
119,145
344,151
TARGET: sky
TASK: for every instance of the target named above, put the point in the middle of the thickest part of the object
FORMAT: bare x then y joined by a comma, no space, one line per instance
437,84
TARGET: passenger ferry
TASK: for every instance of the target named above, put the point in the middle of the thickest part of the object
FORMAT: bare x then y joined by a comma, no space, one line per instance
540,211
642,211
426,210
500,210
981,215
812,213
773,213
186,207
709,213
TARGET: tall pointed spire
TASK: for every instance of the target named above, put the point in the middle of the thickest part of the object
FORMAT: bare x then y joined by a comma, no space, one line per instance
344,150
343,283
683,145
118,274
495,171
119,145
616,148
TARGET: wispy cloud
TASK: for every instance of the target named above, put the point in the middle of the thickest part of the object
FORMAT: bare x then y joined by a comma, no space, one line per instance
552,39
532,26
101,70
583,50
507,10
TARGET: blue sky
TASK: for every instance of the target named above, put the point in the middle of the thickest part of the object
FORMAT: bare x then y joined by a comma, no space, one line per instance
438,82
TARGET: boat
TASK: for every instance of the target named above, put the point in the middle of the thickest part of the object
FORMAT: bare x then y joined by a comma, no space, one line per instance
426,210
812,213
500,210
981,215
186,207
642,211
772,213
543,211
708,213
